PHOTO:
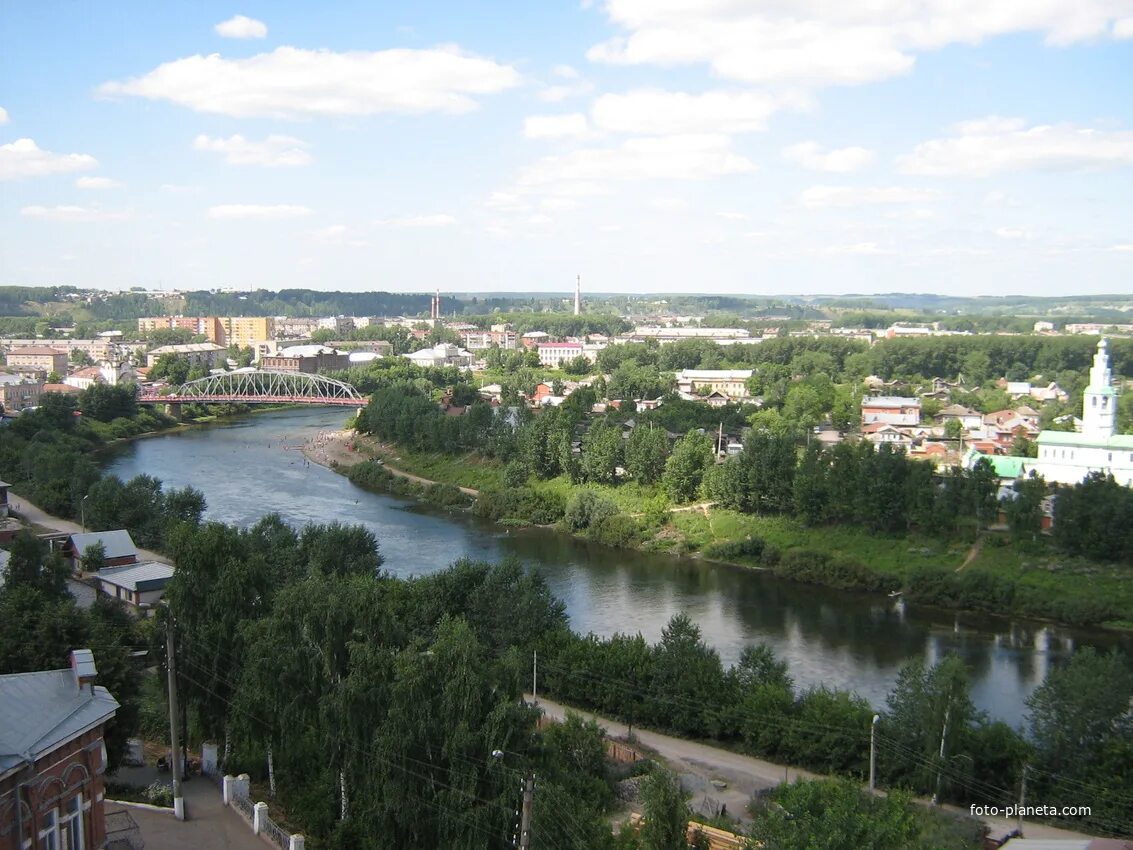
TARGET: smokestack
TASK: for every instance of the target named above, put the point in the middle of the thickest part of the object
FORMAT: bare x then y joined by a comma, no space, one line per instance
578,295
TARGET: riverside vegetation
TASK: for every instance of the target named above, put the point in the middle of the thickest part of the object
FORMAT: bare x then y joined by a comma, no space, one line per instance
371,705
848,517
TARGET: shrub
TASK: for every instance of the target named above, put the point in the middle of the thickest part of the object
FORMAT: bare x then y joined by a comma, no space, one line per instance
616,530
731,550
586,509
159,794
837,571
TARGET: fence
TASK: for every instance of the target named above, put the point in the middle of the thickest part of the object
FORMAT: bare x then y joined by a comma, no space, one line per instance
281,838
245,806
236,792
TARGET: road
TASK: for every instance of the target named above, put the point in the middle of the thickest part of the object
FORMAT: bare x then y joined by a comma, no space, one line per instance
698,764
33,514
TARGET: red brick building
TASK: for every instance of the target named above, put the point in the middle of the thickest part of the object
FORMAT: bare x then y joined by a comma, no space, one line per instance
52,757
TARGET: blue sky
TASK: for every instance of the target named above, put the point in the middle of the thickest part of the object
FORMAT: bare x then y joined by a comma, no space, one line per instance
725,146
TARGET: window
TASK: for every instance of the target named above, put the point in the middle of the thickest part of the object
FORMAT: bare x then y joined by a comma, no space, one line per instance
49,835
71,826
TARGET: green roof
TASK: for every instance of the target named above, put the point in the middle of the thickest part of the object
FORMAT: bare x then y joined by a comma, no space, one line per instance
1006,466
1073,438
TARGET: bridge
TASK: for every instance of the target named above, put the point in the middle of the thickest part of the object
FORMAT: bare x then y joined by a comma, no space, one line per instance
260,386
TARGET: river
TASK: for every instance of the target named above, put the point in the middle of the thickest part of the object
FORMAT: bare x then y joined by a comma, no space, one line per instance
249,467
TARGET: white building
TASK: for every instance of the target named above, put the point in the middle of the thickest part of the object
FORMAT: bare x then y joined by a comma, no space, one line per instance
441,354
891,410
555,354
1067,458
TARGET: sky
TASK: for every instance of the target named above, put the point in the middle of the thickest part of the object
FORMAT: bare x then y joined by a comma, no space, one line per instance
967,147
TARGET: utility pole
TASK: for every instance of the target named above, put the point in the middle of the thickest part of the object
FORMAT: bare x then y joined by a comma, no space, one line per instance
1022,799
534,676
940,767
175,748
525,814
873,753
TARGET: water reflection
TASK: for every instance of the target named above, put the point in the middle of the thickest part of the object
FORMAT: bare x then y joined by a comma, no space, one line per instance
839,639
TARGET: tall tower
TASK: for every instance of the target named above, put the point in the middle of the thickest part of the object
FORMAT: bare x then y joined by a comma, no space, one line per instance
578,295
435,306
1099,403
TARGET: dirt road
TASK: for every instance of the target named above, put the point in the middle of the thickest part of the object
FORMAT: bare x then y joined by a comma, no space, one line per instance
36,516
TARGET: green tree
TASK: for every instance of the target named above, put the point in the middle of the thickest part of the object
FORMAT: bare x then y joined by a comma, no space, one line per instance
953,429
1025,510
601,452
686,466
666,812
811,485
94,557
646,452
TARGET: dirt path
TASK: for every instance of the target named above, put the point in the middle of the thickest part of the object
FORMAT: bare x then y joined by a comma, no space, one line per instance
746,774
36,516
341,448
973,553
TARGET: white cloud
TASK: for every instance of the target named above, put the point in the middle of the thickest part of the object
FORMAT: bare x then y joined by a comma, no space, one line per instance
565,72
838,161
999,198
663,113
820,43
179,189
290,82
668,204
1124,248
338,235
610,228
558,204
434,220
860,248
96,183
273,151
1123,29
856,196
572,125
24,158
240,26
1012,233
73,214
733,216
557,94
995,145
264,212
688,157
3,115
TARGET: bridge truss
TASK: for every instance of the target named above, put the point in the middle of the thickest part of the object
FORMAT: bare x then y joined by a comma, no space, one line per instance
264,386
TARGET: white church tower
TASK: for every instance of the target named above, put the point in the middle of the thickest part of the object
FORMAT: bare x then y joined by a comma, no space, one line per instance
1099,414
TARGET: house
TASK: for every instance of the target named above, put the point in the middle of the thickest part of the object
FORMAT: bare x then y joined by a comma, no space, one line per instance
1051,392
40,358
139,586
971,420
307,359
882,432
85,378
555,354
716,399
1007,468
643,404
118,548
53,756
891,410
730,382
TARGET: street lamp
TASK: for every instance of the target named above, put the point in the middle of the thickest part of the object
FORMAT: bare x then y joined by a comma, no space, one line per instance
83,512
873,752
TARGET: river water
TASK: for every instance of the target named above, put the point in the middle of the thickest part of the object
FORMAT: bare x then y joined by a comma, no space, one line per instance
250,467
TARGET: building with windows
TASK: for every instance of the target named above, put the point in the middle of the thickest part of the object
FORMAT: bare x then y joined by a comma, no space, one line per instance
1067,457
244,331
205,354
53,757
441,354
306,358
891,410
555,354
138,586
40,358
730,382
18,393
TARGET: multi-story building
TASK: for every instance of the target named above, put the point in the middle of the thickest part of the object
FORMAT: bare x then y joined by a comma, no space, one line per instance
19,393
244,331
53,757
41,358
482,340
721,336
441,354
891,410
730,382
306,358
555,354
206,354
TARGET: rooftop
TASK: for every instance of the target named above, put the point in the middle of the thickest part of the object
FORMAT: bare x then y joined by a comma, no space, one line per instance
148,575
188,348
1073,438
36,350
890,401
117,543
39,711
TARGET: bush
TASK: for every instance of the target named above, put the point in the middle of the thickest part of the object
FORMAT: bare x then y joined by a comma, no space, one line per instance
532,506
585,510
732,550
616,530
837,571
159,794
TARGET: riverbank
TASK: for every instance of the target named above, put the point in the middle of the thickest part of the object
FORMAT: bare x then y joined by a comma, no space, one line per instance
996,577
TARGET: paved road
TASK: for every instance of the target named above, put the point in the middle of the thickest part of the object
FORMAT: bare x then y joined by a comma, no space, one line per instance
33,514
746,774
210,825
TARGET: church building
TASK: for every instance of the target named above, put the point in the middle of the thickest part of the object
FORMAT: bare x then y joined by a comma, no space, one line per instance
1068,457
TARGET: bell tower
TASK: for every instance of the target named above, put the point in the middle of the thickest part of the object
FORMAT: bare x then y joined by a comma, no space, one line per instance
1099,402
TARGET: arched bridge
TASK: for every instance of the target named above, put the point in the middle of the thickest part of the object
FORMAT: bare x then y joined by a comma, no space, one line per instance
261,386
